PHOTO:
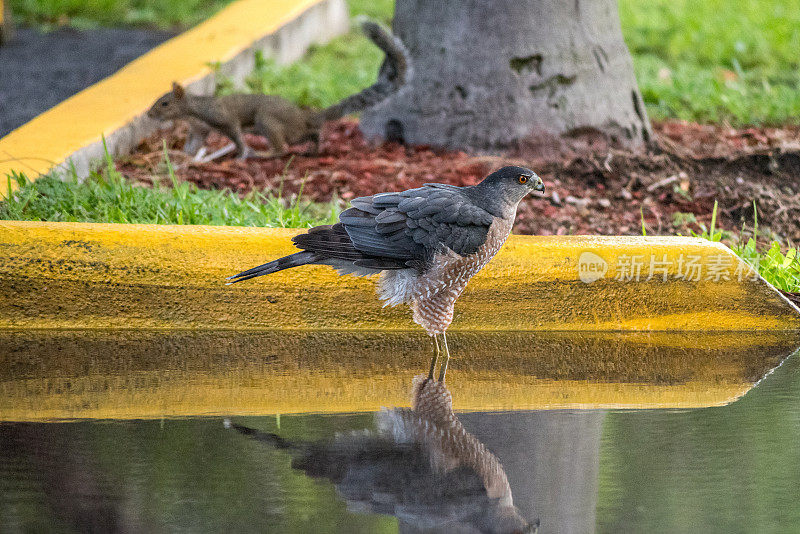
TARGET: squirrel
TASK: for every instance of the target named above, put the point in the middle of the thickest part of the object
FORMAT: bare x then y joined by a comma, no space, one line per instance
274,117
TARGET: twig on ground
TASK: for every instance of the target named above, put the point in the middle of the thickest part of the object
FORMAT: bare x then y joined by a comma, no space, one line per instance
227,149
661,183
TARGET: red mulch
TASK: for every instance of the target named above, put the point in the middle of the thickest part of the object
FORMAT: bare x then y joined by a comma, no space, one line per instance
592,186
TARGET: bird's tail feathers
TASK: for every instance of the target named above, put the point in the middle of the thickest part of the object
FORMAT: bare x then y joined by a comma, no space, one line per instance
394,74
287,262
266,437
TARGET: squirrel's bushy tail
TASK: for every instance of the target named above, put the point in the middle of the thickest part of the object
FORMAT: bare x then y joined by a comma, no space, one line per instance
395,73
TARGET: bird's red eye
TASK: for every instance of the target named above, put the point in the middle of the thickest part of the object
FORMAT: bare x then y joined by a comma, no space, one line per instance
522,179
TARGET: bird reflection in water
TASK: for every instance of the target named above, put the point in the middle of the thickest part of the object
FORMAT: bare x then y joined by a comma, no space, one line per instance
420,465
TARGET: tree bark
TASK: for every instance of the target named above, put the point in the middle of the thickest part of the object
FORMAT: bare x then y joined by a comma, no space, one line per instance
488,73
552,460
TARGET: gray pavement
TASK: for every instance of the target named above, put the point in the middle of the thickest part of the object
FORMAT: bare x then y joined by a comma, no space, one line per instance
39,70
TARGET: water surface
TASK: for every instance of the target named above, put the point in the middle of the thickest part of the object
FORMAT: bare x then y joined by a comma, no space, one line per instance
732,467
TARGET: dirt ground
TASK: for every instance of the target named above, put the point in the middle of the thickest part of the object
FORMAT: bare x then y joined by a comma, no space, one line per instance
593,187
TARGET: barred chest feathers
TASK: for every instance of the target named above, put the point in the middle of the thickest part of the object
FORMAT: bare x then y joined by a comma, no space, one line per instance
432,294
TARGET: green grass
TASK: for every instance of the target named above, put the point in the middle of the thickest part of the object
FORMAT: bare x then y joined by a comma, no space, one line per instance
150,13
92,13
106,196
779,269
317,81
683,48
327,73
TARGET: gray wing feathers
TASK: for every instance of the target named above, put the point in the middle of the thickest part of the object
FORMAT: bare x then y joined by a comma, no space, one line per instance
332,245
365,204
414,224
389,231
390,216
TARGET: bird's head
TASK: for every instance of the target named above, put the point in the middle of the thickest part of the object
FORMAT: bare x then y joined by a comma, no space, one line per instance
510,184
170,106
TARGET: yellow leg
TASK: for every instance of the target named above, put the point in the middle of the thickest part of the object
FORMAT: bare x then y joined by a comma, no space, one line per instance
443,370
435,356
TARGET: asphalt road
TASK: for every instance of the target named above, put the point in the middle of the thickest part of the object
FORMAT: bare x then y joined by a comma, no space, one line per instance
39,70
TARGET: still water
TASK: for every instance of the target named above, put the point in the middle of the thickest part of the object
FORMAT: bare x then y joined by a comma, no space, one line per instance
593,433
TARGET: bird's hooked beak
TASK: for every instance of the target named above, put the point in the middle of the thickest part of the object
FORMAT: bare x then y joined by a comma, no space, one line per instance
538,184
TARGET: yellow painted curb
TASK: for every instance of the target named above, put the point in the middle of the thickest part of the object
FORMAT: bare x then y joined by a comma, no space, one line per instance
114,107
79,275
52,375
6,23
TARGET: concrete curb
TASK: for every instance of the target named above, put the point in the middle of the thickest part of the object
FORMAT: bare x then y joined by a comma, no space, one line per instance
6,23
81,275
71,133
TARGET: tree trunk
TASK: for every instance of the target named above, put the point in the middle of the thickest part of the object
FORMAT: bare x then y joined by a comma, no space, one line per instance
488,73
552,460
